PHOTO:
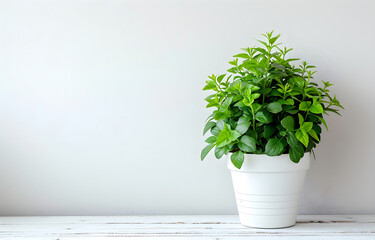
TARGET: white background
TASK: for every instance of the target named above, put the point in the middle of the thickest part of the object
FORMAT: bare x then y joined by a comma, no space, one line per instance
101,108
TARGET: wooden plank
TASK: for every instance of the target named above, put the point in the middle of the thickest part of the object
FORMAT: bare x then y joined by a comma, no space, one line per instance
182,227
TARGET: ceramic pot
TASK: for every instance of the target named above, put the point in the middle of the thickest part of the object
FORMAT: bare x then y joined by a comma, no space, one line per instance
268,189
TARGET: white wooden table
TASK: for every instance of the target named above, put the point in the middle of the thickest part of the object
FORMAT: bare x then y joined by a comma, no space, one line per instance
182,227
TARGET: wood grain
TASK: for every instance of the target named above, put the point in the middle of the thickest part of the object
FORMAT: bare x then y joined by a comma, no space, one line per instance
354,227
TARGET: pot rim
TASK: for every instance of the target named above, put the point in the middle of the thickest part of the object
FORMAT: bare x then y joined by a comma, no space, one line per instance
267,164
263,154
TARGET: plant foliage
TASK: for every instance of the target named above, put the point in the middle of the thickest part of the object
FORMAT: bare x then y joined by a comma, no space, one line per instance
266,105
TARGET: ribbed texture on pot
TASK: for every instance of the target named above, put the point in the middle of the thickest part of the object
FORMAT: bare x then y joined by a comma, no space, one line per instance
267,190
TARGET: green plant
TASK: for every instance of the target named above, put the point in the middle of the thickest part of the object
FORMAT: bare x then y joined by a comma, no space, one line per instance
266,105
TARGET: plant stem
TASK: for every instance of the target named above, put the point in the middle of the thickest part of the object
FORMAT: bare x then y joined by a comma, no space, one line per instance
252,111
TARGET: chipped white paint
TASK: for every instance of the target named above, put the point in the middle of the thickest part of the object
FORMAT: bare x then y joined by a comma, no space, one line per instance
182,227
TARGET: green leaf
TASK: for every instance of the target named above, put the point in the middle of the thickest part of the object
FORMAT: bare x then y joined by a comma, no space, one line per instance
211,140
294,93
223,138
234,135
242,55
294,111
222,114
210,97
233,70
274,107
293,59
247,144
210,117
288,107
296,150
220,124
327,84
235,86
215,131
253,88
219,152
255,95
302,136
227,102
274,147
268,131
247,101
306,126
323,121
288,101
205,151
256,107
208,126
261,50
317,129
275,93
265,91
237,159
213,102
313,134
300,119
264,43
310,146
239,104
292,140
263,117
220,78
243,124
288,123
213,77
237,98
210,86
297,81
227,136
296,153
304,106
316,108
273,40
331,110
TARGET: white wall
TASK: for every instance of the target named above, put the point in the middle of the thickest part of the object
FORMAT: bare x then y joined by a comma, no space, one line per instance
101,108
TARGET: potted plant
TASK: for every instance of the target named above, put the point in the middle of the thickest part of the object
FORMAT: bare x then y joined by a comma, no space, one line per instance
267,117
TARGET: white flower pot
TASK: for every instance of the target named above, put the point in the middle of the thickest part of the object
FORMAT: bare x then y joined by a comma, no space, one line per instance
268,189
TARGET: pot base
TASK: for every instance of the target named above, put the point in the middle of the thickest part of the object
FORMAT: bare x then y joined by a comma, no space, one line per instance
267,211
267,222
